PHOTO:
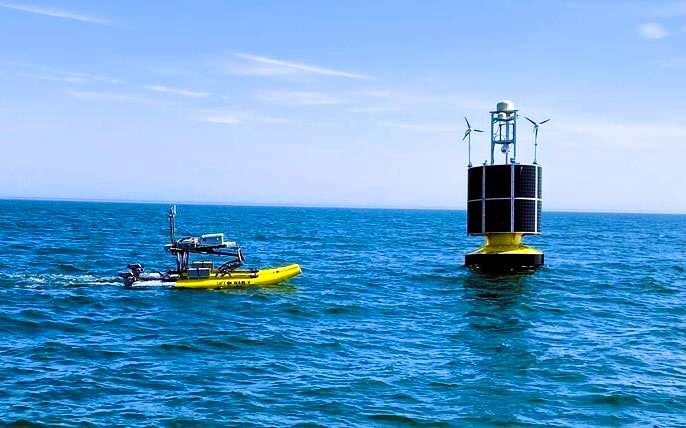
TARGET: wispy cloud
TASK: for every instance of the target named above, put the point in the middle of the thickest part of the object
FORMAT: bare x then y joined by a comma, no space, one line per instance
177,91
169,70
652,31
233,117
220,119
673,63
423,127
622,135
106,96
74,77
296,98
668,9
271,66
368,109
371,102
38,10
41,72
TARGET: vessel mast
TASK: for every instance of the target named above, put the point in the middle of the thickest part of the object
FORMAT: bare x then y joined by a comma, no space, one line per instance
172,223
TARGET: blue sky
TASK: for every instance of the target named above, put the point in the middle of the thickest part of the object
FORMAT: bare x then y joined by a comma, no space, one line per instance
339,103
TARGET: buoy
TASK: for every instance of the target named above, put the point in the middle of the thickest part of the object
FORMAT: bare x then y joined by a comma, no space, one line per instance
504,202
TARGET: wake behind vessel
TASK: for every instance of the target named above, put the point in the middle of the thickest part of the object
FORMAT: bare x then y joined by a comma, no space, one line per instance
203,274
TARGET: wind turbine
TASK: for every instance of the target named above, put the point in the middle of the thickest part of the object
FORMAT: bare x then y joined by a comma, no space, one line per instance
536,133
468,133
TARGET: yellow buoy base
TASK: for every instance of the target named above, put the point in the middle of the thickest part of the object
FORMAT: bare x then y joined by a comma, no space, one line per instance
504,252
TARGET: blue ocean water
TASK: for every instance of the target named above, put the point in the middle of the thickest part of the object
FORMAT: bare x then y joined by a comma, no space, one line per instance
383,328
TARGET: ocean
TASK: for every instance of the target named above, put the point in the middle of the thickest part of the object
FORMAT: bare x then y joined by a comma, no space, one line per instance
385,327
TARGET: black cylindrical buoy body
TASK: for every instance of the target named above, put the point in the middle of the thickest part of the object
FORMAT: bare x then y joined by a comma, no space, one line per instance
504,199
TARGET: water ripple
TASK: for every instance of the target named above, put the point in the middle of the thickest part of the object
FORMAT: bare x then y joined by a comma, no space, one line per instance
384,327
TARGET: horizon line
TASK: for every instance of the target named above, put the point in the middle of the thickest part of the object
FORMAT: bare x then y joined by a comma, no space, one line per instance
295,205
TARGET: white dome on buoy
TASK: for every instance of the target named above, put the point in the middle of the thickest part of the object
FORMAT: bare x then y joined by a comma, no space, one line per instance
505,106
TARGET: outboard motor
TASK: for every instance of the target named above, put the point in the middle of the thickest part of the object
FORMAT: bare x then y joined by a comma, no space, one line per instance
130,277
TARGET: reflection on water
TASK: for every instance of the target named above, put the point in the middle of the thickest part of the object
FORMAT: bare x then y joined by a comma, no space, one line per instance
498,318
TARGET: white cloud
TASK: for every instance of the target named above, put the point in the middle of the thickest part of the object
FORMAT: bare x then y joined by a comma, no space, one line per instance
296,98
221,117
37,10
177,91
652,31
271,66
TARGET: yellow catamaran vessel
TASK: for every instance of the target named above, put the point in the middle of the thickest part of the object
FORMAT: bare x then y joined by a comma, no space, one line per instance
203,274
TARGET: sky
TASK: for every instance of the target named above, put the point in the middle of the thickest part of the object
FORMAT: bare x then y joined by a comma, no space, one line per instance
339,103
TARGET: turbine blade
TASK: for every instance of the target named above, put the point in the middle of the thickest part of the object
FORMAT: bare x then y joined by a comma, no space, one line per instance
544,121
477,130
468,125
530,120
466,133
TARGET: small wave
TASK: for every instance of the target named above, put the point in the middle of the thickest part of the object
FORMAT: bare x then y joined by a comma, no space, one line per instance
177,347
615,399
67,268
343,310
49,251
308,425
261,238
215,344
22,423
398,419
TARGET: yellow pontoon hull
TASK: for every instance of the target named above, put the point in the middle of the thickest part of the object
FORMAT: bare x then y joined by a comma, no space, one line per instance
242,278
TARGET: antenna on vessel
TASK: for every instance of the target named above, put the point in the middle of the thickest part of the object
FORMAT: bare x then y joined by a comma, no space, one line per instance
172,223
468,134
536,133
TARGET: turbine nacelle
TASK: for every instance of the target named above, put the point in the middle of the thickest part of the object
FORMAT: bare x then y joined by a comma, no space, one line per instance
536,125
468,134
